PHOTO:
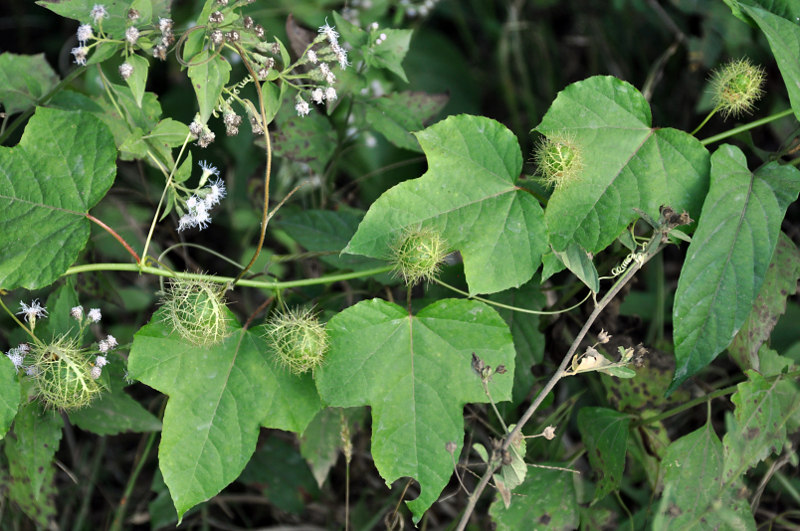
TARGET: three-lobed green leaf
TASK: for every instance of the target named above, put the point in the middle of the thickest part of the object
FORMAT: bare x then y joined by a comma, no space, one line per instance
469,195
415,371
627,164
63,165
728,257
219,397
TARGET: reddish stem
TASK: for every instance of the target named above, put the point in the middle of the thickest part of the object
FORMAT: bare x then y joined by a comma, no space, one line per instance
116,236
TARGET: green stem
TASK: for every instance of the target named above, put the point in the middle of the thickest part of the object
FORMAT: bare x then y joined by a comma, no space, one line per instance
705,121
746,127
330,279
119,516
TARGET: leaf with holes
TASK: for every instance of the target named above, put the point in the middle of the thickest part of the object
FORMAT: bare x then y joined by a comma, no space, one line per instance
545,500
469,195
728,257
416,373
63,165
218,398
627,164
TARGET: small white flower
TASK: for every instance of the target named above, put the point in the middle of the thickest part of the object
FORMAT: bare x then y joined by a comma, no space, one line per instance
325,70
16,357
101,361
216,192
330,33
191,203
373,26
32,371
98,13
94,315
84,33
330,94
196,128
341,56
208,170
165,25
32,312
312,56
111,340
125,70
186,222
302,107
201,216
80,55
96,372
317,95
77,313
132,35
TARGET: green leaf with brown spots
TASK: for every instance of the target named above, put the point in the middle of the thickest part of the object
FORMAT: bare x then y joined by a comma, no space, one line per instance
758,425
780,282
545,500
605,434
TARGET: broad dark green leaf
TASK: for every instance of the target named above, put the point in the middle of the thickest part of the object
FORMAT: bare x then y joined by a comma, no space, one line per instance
24,80
469,195
758,426
528,340
9,394
79,10
219,396
63,165
208,77
169,133
416,373
30,448
327,231
399,114
322,439
309,139
545,500
780,281
115,411
605,434
695,496
784,39
728,257
627,164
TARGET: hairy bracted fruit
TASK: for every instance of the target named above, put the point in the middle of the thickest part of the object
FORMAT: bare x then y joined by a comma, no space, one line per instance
196,310
298,340
559,160
418,254
62,373
736,87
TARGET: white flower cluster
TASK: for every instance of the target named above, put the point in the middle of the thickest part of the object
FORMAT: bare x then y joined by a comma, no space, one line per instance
328,50
199,205
17,355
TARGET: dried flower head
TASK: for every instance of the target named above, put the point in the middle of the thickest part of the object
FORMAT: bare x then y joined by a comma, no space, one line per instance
418,253
736,87
196,311
558,159
125,70
298,340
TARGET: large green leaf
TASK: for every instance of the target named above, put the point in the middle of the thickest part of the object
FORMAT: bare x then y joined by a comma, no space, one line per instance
545,500
605,434
780,281
758,427
63,165
416,373
209,74
30,448
24,80
627,164
9,394
784,40
728,257
695,496
469,195
219,396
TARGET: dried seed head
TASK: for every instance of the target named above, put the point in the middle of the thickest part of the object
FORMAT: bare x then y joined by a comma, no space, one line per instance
298,340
